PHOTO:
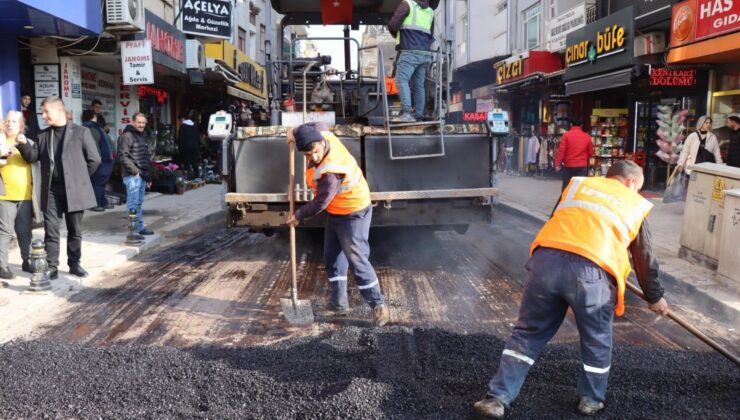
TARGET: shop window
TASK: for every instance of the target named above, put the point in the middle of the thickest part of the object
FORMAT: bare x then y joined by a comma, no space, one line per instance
242,40
531,18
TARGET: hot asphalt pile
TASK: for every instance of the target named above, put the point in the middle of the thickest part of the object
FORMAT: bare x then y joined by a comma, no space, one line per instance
350,373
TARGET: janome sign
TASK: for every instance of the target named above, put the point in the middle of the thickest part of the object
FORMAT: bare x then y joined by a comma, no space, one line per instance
695,20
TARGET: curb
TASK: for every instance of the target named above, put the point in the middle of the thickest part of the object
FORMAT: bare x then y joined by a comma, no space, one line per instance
699,297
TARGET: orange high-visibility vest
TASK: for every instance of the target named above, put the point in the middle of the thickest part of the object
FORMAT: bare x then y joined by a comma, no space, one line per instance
354,193
597,218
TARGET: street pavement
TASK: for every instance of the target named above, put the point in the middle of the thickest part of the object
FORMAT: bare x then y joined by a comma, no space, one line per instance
104,250
536,197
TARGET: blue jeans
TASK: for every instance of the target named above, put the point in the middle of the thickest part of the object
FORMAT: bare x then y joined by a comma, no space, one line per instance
558,280
345,243
135,189
411,70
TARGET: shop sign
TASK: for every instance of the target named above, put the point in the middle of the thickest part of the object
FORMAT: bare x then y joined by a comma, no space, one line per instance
168,42
672,78
159,95
137,63
475,116
208,18
251,75
70,81
694,20
483,105
525,64
600,46
564,24
127,105
509,69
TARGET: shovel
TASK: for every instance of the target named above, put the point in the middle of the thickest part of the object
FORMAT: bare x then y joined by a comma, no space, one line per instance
297,312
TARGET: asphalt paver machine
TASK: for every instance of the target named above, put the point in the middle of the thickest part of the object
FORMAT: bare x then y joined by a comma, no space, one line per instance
420,174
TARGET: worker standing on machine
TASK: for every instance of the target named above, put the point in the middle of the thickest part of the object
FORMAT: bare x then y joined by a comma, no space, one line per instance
579,260
340,189
412,24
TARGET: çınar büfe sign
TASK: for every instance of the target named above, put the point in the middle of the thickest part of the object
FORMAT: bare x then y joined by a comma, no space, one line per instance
208,18
600,46
137,63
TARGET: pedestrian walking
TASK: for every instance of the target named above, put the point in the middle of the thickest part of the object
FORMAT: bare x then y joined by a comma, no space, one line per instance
699,147
733,150
68,157
341,190
580,259
412,24
574,151
188,143
16,196
133,155
101,176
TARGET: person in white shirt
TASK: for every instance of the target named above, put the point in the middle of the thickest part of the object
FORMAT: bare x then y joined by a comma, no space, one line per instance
700,146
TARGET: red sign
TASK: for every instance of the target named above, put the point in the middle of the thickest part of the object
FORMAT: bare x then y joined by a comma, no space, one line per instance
65,81
694,20
165,43
475,116
160,94
521,66
672,78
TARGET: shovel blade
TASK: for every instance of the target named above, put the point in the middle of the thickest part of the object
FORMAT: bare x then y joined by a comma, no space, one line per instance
299,314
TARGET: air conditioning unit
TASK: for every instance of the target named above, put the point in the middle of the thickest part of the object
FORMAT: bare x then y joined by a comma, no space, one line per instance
124,16
195,54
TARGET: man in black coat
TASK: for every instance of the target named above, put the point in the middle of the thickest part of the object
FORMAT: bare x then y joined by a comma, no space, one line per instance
188,143
68,156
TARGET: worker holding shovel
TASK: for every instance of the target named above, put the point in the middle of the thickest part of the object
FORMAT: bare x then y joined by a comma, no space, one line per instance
341,189
580,260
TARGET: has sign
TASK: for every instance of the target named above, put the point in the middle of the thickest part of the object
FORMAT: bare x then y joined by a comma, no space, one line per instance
694,20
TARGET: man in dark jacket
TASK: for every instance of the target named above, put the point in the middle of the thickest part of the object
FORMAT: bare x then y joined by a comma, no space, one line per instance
69,157
733,150
413,25
188,143
29,115
133,155
105,170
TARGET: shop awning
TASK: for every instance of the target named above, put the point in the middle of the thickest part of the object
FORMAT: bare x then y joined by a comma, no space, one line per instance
716,50
600,82
243,94
521,82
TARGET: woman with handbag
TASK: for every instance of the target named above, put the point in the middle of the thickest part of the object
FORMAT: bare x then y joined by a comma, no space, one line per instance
700,146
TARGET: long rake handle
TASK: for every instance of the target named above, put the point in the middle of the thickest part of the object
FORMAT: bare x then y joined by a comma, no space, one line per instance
291,195
690,328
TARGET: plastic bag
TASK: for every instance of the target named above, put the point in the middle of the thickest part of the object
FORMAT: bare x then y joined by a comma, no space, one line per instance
676,189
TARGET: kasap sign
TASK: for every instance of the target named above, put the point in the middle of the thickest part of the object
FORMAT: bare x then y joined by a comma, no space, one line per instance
208,18
137,62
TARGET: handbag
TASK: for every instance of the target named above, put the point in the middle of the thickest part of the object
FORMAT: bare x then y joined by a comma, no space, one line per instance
702,154
675,187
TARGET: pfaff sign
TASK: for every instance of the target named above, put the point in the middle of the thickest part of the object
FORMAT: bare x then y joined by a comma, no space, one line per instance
694,20
508,70
672,78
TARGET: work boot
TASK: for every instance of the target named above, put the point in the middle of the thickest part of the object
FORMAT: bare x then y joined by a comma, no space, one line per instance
589,407
405,117
53,273
382,315
490,407
78,271
333,312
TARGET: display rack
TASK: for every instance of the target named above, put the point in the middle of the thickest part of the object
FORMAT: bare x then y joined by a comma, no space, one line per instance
609,132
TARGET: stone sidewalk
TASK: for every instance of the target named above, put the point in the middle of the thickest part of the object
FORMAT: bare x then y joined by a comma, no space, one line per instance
103,250
535,197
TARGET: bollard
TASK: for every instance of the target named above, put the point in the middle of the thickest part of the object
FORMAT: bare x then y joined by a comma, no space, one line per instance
133,238
40,280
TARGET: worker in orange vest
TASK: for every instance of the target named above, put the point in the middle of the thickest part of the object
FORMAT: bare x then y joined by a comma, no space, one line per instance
580,260
341,189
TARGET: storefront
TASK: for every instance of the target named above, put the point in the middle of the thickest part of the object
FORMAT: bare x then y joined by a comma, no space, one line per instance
524,82
234,82
704,32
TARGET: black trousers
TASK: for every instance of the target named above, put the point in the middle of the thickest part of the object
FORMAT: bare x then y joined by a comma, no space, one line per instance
190,161
55,210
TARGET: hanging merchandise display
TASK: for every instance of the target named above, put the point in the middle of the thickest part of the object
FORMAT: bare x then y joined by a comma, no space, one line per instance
609,131
671,133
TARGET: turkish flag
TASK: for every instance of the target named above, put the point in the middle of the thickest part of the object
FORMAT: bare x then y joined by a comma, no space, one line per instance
336,11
